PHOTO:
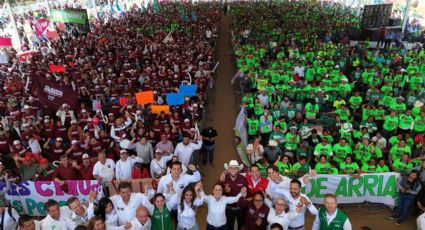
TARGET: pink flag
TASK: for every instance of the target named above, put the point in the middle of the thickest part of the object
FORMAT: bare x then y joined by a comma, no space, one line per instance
41,26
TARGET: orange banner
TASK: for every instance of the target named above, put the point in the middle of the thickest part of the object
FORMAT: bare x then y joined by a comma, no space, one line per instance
157,109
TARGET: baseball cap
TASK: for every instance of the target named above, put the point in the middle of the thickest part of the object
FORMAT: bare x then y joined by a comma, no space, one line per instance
85,156
59,139
74,142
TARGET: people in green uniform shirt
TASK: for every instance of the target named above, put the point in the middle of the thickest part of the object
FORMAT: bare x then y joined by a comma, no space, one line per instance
400,149
323,148
301,167
402,165
362,151
390,123
283,164
406,121
323,166
278,136
330,217
349,167
253,126
343,113
419,125
263,165
355,101
382,166
341,150
398,106
370,166
292,139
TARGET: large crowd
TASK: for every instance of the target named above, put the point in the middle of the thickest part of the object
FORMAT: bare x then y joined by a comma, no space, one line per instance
315,101
315,104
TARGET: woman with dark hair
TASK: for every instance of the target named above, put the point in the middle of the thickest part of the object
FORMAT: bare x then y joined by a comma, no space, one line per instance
217,203
409,187
186,210
161,213
257,212
105,210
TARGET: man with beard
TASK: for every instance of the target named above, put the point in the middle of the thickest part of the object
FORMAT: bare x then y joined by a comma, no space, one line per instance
294,197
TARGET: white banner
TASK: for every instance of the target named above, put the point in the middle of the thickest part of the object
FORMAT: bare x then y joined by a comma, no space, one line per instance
240,131
373,187
29,197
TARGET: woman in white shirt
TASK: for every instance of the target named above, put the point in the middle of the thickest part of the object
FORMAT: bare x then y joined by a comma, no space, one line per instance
216,218
279,212
186,210
159,164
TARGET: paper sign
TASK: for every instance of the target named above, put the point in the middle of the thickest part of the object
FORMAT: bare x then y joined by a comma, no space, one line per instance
57,68
52,35
145,97
5,41
175,99
188,90
157,109
41,26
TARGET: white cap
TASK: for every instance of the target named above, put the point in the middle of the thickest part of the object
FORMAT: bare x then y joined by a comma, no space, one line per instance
74,142
186,120
123,151
73,122
16,142
26,107
59,139
85,156
65,105
84,111
25,125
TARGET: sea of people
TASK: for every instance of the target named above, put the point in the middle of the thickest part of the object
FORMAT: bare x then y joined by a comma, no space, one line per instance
315,105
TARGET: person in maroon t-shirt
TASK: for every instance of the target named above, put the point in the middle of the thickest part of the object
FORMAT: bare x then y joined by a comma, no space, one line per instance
61,131
65,171
257,212
4,143
105,140
18,149
56,150
75,151
48,129
232,182
75,131
85,168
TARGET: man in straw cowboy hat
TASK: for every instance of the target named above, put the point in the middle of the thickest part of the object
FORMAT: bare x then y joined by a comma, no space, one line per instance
232,182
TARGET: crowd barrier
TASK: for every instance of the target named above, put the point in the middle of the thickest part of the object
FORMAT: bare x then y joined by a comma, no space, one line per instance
29,197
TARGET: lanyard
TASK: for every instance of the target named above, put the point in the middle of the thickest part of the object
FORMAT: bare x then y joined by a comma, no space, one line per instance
2,220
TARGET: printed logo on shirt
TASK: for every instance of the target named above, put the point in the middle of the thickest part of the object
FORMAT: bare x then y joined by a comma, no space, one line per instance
251,211
261,215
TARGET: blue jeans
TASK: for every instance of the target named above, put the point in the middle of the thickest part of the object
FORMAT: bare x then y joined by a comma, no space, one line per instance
194,227
404,203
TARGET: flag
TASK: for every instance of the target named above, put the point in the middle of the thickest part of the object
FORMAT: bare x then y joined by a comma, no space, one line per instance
155,6
144,97
52,35
53,95
57,68
41,25
118,7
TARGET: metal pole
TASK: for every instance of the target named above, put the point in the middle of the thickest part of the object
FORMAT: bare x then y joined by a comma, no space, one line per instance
406,16
15,32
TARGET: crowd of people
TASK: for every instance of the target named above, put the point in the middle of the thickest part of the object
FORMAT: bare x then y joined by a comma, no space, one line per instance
314,101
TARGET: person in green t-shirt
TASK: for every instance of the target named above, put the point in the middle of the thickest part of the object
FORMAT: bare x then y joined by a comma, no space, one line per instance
301,167
341,150
323,148
278,136
322,166
397,151
398,105
355,101
343,113
402,165
253,126
349,167
382,167
283,164
390,125
370,167
419,126
263,165
406,121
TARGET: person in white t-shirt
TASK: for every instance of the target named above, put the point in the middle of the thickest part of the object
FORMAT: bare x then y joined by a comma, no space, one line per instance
104,169
141,221
124,166
158,167
56,218
185,149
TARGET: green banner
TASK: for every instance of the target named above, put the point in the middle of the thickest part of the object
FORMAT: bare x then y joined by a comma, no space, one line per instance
70,16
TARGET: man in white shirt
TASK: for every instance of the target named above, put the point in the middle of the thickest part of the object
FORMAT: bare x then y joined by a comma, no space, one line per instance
104,168
142,220
56,218
293,197
179,181
78,214
124,166
185,149
278,182
126,202
8,216
330,217
300,70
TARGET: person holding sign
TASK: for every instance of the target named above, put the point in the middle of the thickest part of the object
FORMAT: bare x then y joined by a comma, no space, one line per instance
330,217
